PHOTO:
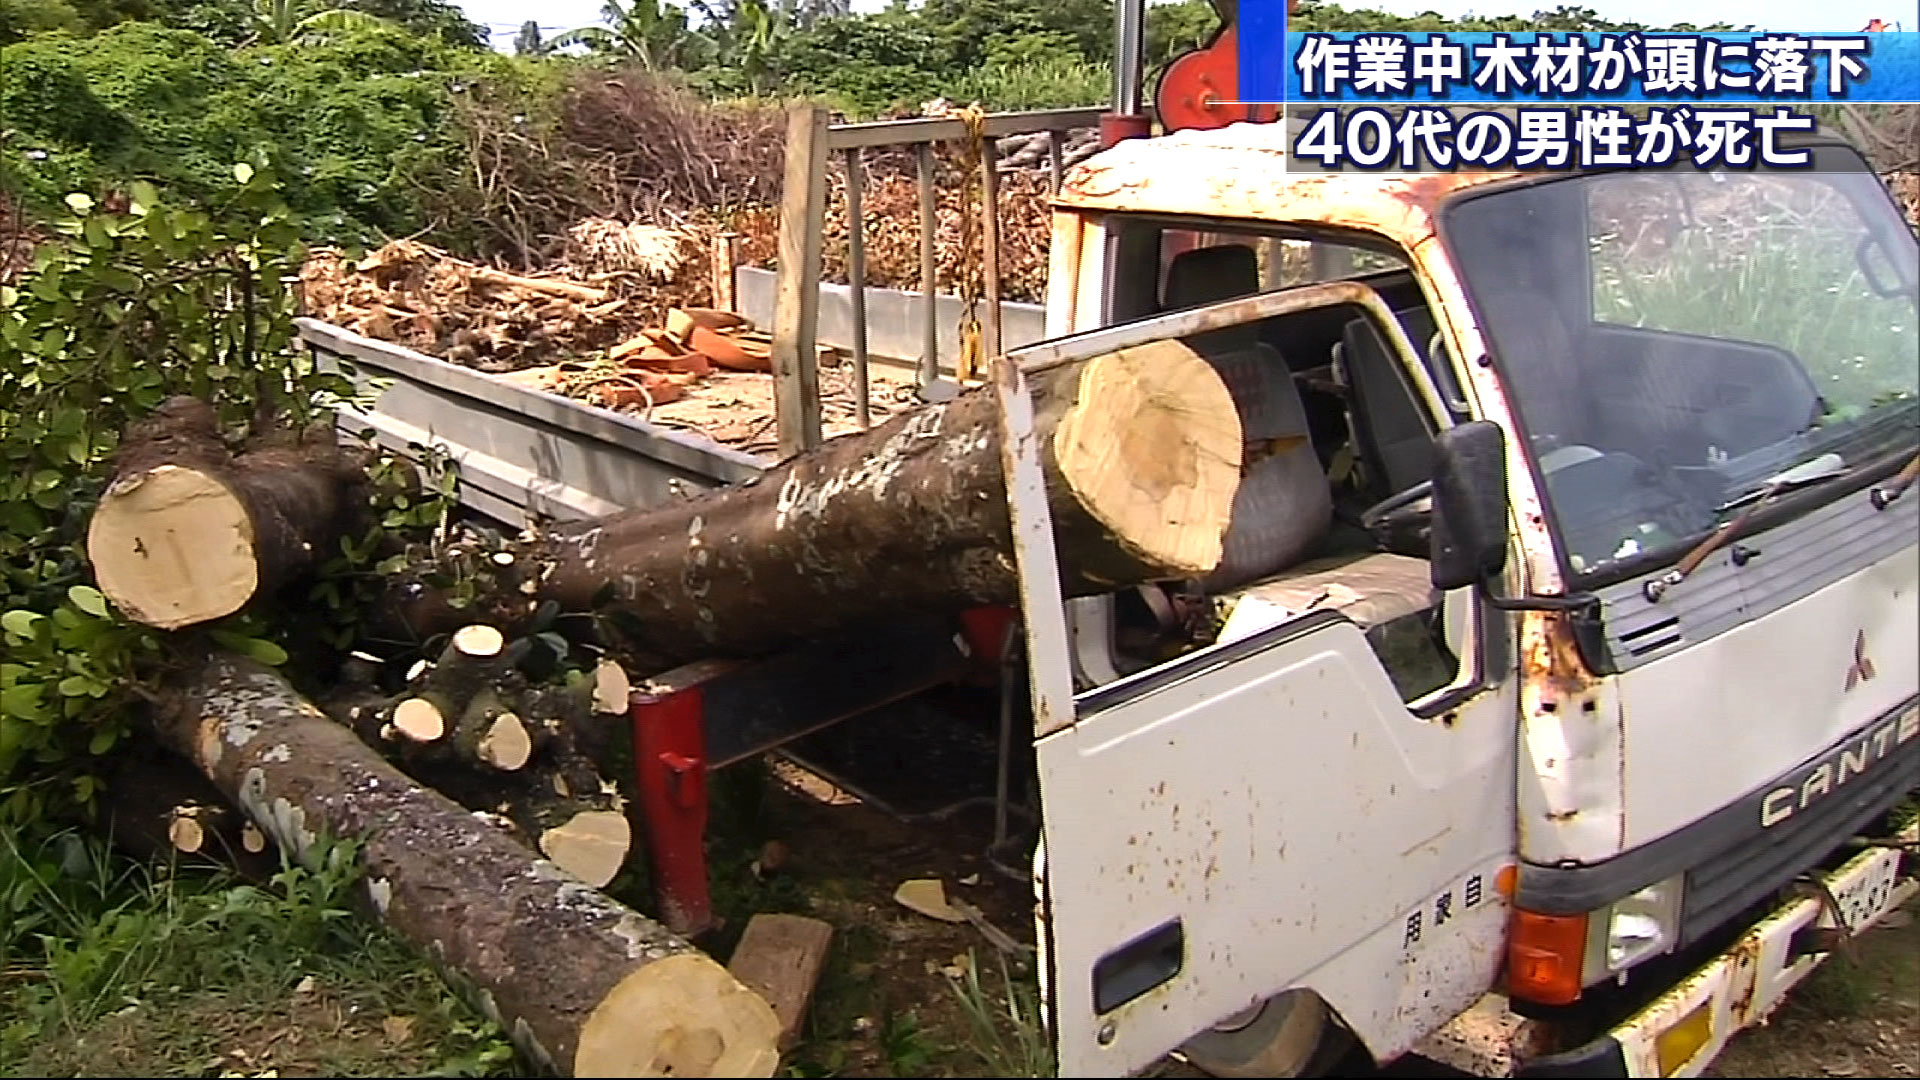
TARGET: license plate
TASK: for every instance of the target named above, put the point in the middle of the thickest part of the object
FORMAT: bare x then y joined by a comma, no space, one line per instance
1867,897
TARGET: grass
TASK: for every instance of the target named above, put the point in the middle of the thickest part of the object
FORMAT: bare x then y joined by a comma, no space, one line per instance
1007,1030
112,968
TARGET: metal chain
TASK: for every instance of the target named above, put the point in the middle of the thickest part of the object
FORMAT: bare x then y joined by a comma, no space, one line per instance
972,180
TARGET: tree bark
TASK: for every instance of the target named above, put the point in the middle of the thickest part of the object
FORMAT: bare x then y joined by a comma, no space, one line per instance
1142,453
188,532
584,985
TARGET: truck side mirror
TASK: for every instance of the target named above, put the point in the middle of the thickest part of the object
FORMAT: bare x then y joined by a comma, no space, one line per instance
1468,543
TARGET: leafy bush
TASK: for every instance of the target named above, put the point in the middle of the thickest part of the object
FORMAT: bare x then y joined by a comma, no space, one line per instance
1054,84
865,66
119,312
141,101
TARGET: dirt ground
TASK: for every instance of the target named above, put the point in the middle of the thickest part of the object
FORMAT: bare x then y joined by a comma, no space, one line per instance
889,1006
903,994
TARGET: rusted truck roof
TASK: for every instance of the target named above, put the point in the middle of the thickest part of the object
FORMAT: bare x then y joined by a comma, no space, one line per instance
1239,172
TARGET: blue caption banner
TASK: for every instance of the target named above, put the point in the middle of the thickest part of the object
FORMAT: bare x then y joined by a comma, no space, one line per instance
1279,66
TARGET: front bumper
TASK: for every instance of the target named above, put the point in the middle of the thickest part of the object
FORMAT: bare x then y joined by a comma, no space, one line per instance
1683,1030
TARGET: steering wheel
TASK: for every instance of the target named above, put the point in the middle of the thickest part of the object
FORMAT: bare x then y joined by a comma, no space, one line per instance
1400,522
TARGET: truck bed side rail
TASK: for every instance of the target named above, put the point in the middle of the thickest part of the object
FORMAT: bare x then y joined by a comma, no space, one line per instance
521,453
811,140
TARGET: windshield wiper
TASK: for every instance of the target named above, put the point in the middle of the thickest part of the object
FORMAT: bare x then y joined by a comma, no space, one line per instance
1825,467
1820,469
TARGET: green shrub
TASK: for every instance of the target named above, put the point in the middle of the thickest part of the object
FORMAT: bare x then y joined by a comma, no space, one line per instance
117,313
1053,84
337,117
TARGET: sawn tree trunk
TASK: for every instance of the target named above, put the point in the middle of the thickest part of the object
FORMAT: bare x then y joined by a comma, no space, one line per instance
584,985
188,532
1142,451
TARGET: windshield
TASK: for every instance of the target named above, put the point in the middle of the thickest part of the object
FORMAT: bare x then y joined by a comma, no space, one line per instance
1671,341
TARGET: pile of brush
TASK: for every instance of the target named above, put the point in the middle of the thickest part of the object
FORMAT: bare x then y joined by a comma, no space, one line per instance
658,364
615,280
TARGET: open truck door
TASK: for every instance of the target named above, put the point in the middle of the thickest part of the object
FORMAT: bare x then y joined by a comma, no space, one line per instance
1260,815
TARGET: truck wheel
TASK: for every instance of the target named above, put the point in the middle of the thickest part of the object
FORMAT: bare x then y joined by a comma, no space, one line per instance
1291,1034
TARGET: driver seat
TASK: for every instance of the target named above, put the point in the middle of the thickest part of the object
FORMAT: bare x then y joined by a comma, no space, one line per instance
1284,504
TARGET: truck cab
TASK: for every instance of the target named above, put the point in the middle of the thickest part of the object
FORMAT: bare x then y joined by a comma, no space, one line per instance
1553,707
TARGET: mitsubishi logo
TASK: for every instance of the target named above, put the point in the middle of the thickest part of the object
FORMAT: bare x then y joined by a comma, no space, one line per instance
1861,669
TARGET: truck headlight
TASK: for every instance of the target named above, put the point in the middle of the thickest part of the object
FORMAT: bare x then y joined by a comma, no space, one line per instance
1633,928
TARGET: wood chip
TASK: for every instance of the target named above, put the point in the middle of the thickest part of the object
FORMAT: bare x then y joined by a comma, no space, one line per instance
928,896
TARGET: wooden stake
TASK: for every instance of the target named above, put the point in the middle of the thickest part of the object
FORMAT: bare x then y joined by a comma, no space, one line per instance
781,957
796,302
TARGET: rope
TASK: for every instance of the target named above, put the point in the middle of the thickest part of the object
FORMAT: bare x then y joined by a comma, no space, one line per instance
973,172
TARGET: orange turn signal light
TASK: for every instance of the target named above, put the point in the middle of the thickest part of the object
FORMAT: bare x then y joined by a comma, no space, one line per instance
1545,954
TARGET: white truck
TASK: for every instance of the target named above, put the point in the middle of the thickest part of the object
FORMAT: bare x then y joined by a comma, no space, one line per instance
1564,707
1585,635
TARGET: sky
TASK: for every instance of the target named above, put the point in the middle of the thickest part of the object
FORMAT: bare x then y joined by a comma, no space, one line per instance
503,17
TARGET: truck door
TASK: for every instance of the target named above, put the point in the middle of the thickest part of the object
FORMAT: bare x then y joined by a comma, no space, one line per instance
1266,812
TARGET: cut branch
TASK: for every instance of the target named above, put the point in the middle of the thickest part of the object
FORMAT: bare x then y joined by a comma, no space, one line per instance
586,294
584,985
442,691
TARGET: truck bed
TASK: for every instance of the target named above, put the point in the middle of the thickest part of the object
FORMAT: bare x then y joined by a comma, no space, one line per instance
524,454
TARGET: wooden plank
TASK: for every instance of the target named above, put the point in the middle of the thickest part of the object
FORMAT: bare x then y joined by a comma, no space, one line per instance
796,302
939,129
990,247
726,260
781,957
929,266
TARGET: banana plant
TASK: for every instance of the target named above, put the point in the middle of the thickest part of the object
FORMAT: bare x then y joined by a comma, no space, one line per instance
746,34
651,31
277,22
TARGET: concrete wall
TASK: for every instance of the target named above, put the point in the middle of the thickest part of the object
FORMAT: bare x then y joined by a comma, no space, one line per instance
893,318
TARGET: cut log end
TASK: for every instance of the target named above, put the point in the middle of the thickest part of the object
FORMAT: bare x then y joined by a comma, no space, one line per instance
611,688
592,846
252,839
681,1016
479,641
506,745
185,832
1151,448
173,547
419,720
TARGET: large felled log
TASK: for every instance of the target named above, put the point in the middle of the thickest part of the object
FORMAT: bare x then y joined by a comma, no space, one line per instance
188,532
585,985
1142,452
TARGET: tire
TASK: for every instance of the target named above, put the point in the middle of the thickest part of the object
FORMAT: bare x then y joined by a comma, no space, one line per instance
1291,1034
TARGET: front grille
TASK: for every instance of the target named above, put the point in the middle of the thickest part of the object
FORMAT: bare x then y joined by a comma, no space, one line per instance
1721,886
